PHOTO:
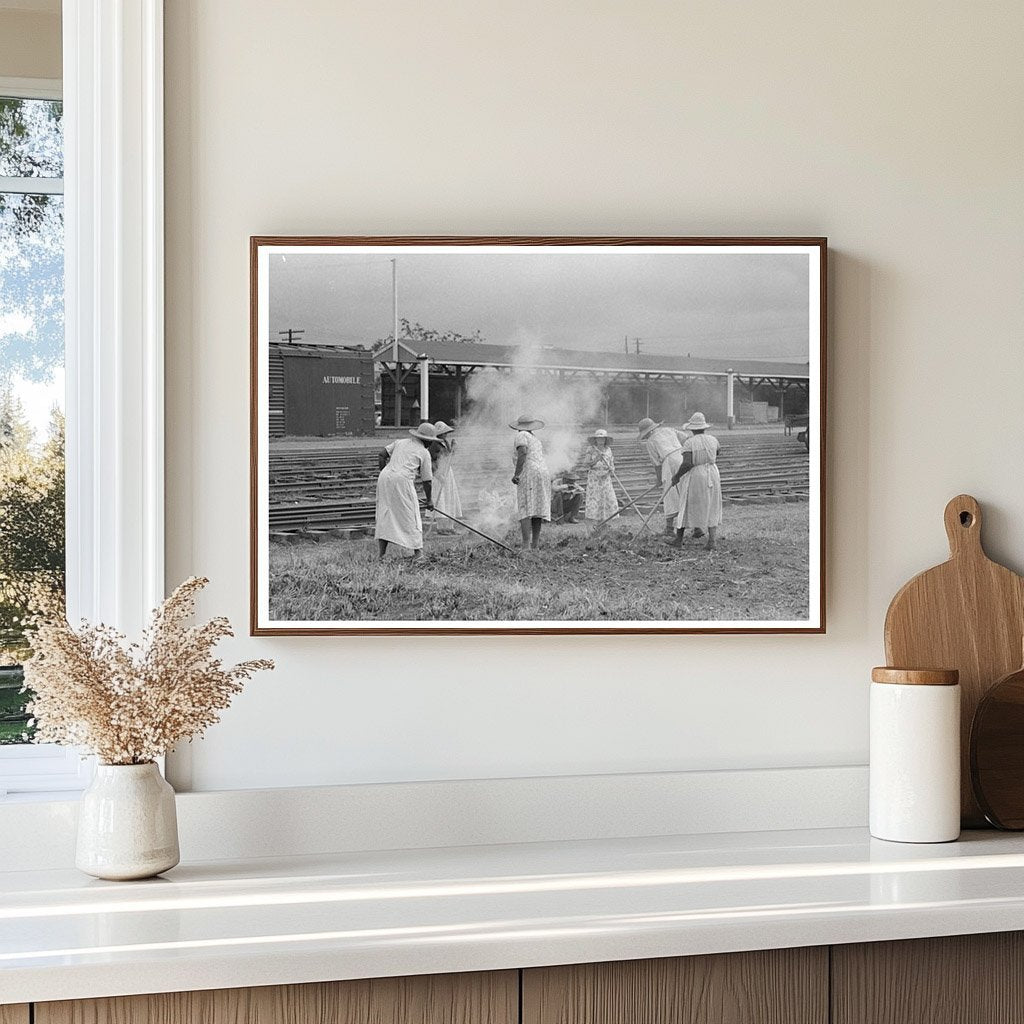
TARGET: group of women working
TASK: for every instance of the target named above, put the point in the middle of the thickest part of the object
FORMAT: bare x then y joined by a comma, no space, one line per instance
684,465
426,455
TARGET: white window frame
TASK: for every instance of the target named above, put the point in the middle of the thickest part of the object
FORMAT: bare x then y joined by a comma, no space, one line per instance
114,324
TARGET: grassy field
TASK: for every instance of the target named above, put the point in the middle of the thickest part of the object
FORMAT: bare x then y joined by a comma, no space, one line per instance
758,572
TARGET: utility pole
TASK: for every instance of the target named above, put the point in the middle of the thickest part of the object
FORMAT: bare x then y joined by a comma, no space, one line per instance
394,344
291,335
637,343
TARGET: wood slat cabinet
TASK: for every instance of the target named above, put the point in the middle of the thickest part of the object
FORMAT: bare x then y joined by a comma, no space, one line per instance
777,986
967,979
961,979
481,998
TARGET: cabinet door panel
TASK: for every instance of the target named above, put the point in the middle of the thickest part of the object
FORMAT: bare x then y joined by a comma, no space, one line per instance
779,986
960,979
484,998
14,1014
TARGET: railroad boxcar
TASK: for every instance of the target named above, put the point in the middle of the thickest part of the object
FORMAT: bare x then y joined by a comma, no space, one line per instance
320,391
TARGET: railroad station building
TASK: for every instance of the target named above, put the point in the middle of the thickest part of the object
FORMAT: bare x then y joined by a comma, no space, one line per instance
433,378
329,390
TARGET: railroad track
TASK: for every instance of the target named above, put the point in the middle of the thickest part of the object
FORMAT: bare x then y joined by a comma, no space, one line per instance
323,489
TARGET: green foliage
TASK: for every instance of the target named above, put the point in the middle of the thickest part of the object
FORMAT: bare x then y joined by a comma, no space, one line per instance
31,525
14,727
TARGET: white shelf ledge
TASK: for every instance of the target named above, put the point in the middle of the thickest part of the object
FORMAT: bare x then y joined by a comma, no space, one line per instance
356,915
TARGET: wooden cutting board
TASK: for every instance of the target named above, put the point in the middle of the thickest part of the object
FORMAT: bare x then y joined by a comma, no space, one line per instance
967,614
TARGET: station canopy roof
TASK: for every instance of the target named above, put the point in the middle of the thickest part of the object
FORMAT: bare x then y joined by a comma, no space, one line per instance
472,355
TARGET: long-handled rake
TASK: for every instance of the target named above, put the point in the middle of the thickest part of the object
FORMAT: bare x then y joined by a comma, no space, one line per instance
650,515
473,529
621,486
629,504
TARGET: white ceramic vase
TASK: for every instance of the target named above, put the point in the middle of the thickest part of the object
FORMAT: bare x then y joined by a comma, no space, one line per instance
127,825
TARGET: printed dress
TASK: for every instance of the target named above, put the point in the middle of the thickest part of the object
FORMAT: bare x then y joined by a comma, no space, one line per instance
665,450
533,492
702,486
446,490
601,500
398,507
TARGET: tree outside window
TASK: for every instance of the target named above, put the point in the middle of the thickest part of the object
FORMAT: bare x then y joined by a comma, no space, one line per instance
31,386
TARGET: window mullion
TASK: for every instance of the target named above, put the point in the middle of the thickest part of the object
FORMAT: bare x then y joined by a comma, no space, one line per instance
32,186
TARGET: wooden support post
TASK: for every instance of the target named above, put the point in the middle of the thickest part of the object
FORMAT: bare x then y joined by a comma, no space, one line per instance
424,388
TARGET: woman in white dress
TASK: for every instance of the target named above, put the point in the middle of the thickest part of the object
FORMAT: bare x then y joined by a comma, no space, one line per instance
701,506
398,509
532,480
665,450
446,490
600,465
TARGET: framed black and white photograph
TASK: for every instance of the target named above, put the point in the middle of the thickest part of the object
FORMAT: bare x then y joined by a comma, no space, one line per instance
537,435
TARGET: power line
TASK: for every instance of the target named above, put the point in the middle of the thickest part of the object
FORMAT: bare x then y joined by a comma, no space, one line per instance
738,332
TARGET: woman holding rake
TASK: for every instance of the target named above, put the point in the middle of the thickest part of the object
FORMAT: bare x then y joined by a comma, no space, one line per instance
532,480
701,502
446,490
601,501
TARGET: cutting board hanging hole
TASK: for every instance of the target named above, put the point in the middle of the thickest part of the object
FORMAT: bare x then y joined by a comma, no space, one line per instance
963,526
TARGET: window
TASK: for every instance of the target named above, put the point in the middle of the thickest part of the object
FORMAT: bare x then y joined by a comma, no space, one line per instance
112,206
32,531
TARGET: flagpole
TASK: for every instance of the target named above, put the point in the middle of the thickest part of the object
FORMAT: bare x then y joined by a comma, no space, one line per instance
394,342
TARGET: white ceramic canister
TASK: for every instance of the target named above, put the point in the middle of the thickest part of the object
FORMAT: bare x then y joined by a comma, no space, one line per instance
127,824
915,755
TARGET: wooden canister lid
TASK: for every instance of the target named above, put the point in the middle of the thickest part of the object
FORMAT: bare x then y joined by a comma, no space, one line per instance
916,676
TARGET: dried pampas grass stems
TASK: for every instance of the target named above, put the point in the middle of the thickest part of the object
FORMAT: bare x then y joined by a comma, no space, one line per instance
129,703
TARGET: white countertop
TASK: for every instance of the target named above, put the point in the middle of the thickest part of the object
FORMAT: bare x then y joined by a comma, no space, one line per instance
227,924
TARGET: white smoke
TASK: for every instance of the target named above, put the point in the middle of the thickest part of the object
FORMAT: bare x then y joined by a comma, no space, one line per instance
485,458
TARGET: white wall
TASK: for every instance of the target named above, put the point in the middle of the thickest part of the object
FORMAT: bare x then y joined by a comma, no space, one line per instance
895,129
30,41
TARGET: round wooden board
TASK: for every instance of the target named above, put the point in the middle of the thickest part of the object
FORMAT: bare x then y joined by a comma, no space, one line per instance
997,753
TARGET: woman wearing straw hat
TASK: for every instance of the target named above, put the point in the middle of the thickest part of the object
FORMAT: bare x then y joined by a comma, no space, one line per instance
532,480
398,509
702,489
665,450
600,463
446,491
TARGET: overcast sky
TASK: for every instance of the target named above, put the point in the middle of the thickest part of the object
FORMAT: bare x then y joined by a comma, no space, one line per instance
752,306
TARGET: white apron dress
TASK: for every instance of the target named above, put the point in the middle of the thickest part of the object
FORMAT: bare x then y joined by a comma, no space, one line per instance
665,450
446,491
398,507
702,494
601,499
533,492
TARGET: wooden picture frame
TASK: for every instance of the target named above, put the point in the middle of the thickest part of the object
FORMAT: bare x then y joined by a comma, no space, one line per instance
299,485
